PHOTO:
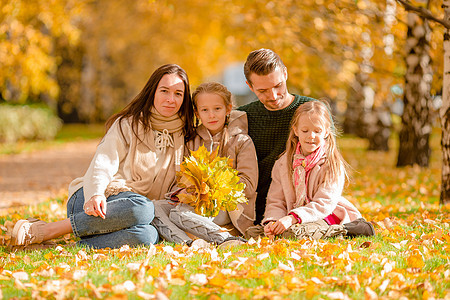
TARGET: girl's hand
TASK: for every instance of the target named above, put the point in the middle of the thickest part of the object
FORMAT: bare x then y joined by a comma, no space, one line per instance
96,206
282,224
268,229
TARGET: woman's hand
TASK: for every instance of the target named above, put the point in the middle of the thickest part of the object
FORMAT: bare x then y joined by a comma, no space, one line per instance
96,206
280,226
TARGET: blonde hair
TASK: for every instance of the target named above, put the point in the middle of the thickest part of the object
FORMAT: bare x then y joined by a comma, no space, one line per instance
334,159
220,90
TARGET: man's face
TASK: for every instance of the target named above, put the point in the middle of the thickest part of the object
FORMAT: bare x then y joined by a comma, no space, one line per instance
271,89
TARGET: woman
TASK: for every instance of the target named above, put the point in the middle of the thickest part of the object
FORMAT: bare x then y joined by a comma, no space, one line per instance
135,162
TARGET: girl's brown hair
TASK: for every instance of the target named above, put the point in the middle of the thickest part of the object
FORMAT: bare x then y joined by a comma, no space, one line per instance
334,159
225,94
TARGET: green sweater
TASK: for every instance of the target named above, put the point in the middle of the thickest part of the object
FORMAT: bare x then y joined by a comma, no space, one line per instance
269,131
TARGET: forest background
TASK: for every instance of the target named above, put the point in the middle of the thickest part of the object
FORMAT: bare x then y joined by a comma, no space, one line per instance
379,62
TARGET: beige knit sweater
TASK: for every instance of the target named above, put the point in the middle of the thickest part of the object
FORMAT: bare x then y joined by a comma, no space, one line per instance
325,199
122,162
242,151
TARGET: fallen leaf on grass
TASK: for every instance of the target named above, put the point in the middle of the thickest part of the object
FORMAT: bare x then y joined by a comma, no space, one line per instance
199,279
22,276
236,263
79,274
81,255
219,280
177,281
19,285
262,256
384,285
127,286
366,244
133,267
415,261
370,294
336,295
145,296
289,267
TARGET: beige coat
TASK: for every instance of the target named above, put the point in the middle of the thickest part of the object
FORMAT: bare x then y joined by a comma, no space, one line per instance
241,150
122,162
324,199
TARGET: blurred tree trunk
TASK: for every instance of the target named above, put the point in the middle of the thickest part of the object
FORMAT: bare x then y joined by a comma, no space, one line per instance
378,124
353,122
416,124
445,112
365,120
68,76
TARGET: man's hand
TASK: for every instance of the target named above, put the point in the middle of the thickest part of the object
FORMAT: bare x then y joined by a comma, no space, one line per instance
96,206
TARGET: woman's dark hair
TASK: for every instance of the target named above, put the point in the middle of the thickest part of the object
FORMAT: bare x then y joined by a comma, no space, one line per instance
139,109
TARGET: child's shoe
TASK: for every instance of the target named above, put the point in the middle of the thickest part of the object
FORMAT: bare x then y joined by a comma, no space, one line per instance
232,242
254,232
359,227
200,244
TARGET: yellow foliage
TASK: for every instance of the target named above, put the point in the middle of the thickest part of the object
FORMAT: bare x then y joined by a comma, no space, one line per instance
211,182
416,261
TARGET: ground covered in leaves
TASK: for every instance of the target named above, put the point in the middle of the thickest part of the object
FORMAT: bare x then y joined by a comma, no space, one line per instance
408,258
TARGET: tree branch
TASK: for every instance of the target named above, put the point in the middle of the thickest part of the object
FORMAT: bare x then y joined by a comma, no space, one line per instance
425,13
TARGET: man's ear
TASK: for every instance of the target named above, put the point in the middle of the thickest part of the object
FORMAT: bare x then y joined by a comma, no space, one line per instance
249,86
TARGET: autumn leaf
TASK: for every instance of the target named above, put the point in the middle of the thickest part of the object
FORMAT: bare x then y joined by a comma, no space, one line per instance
415,261
212,184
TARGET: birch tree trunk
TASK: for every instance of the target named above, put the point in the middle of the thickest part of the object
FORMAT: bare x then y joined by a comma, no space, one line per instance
416,124
445,112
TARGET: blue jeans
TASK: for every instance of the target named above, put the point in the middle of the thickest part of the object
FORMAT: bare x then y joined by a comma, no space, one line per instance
127,222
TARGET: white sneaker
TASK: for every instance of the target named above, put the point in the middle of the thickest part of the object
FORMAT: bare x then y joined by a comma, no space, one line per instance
27,232
200,244
232,242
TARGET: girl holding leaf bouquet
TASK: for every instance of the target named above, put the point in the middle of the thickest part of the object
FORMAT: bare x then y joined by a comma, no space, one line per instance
224,131
305,196
136,160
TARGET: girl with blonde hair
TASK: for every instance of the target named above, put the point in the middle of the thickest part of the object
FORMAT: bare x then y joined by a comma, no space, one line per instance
226,130
305,196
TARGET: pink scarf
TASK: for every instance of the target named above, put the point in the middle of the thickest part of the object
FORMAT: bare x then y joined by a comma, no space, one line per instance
302,166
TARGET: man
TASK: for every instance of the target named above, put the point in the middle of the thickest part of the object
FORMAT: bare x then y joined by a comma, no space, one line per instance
269,118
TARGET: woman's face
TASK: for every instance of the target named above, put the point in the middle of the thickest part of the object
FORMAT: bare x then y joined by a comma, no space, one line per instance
169,95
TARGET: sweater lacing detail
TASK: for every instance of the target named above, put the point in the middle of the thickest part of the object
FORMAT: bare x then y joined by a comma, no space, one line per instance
163,139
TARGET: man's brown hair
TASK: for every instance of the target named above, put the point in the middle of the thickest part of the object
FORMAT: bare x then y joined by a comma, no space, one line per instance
262,62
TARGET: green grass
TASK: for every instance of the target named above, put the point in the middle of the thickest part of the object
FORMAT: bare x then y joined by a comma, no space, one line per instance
68,133
409,256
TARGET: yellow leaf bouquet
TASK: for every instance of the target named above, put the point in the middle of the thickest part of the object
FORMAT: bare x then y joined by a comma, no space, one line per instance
211,183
